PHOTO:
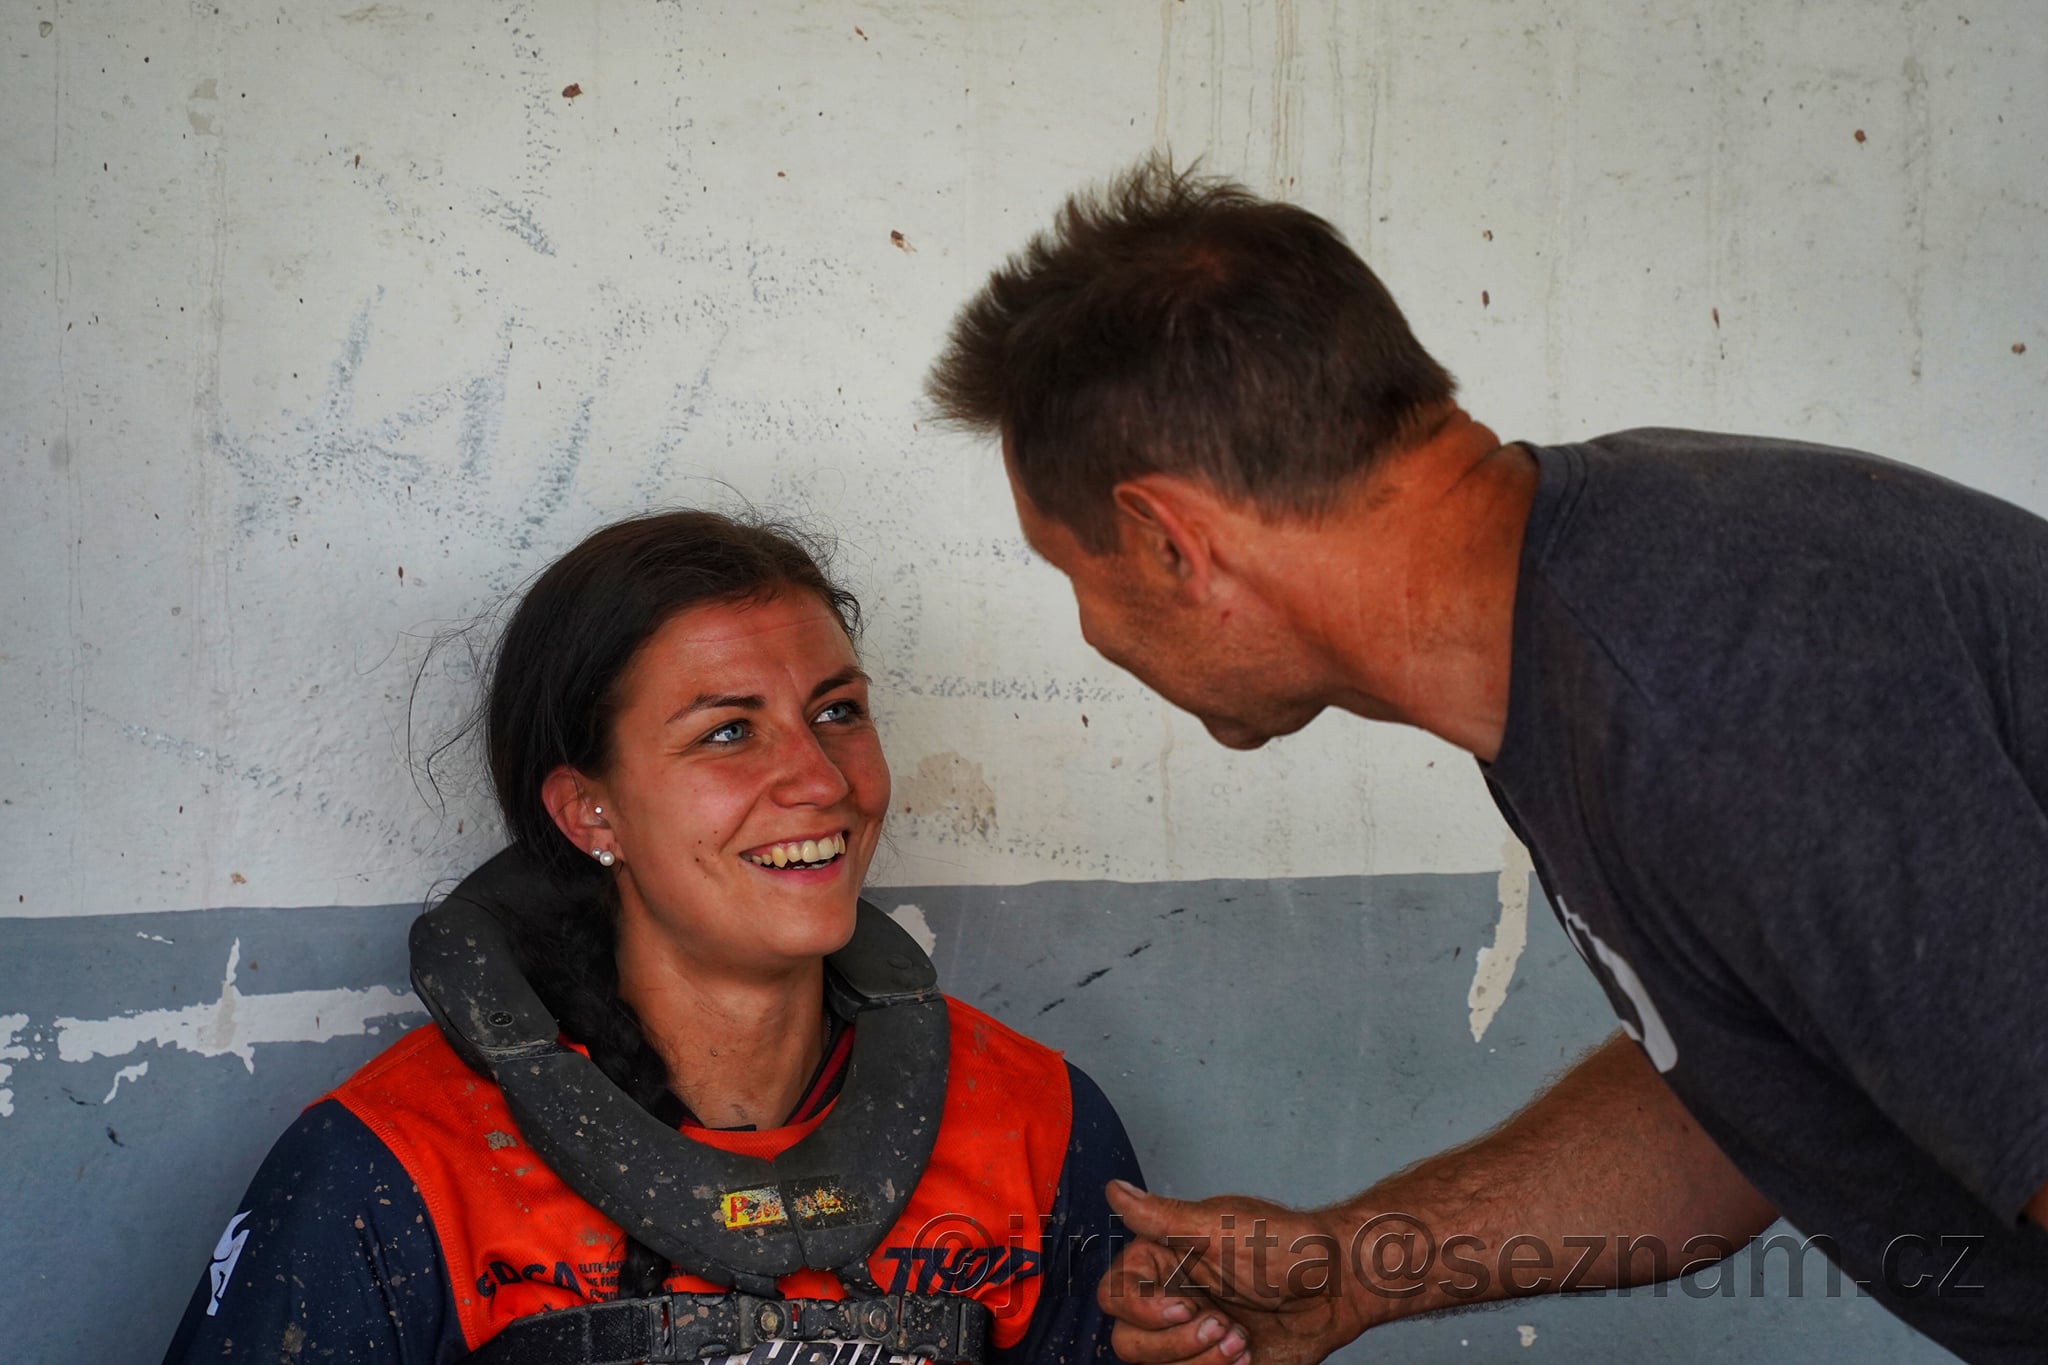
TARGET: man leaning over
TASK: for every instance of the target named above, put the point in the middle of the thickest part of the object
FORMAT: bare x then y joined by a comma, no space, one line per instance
1772,719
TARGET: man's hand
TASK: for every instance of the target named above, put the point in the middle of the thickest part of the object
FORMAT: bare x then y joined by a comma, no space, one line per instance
1225,1281
1606,1158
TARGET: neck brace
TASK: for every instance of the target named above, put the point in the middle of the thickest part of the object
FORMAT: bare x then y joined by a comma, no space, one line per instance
739,1221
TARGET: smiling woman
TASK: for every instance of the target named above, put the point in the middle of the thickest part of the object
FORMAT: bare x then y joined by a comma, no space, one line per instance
741,744
817,1155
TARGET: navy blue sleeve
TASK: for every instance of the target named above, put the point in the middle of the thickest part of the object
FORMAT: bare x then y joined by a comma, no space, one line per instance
1067,1327
329,1256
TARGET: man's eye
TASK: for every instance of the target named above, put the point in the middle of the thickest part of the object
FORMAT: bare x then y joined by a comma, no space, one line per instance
732,732
839,712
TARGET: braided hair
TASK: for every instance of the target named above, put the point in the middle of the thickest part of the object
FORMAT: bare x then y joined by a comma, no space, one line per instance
550,697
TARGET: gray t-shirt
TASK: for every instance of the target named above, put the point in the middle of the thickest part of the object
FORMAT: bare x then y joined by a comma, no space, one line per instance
1777,739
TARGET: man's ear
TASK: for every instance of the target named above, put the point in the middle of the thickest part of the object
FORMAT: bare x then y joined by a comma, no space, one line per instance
576,805
1169,523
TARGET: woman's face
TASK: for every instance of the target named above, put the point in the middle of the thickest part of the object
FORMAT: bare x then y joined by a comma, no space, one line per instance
746,788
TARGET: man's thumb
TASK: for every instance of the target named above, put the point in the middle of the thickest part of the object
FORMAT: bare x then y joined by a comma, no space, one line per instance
1154,1216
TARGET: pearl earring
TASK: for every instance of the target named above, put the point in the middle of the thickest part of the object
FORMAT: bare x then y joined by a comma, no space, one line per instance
605,857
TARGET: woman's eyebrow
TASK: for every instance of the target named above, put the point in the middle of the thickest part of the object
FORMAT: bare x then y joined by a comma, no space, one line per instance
715,701
749,701
852,673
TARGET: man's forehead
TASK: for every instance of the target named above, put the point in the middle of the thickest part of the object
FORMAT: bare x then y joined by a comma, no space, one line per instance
1048,537
1029,521
1050,540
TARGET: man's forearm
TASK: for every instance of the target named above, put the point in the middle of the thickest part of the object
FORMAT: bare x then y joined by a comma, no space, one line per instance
1603,1180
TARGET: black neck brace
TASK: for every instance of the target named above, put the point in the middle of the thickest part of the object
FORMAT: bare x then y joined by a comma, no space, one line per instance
741,1221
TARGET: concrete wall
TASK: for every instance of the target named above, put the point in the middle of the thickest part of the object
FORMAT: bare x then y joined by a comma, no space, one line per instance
327,324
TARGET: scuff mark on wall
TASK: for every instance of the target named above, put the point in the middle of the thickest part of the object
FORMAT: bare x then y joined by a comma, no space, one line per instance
235,1024
950,790
1167,9
1168,835
200,108
1284,165
1493,967
953,686
10,1052
267,778
517,220
260,776
1920,156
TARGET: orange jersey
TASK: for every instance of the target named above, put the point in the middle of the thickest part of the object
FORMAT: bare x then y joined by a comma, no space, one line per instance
1009,1210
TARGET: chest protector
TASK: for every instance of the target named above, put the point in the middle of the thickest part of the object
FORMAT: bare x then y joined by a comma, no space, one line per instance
730,1218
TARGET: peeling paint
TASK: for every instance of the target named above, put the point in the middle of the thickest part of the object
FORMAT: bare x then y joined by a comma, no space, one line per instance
235,1024
126,1073
10,1052
1493,967
912,919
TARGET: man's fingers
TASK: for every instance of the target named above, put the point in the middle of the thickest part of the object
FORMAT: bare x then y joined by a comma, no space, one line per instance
1154,1215
1137,1287
1210,1339
1156,1326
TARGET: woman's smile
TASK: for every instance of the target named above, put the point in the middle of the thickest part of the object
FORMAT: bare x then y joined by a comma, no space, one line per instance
801,854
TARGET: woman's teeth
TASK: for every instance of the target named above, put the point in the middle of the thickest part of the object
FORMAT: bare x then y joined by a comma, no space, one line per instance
797,854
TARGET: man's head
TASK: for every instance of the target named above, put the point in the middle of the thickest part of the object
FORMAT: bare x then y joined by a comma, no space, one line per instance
1181,324
1175,362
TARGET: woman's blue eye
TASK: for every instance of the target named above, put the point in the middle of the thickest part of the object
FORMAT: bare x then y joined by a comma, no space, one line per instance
840,711
731,732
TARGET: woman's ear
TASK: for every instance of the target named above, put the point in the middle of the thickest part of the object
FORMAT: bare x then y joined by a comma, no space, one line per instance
577,806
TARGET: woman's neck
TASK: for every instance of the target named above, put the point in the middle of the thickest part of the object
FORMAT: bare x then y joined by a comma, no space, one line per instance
740,1051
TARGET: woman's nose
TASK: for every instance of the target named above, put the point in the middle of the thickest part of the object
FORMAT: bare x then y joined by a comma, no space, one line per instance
808,776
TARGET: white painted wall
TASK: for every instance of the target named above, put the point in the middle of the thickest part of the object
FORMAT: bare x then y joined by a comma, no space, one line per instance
296,296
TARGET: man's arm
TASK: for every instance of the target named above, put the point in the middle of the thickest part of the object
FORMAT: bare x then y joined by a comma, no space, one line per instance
1602,1180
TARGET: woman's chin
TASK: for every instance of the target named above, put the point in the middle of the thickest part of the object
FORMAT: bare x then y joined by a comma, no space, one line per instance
772,921
814,932
812,906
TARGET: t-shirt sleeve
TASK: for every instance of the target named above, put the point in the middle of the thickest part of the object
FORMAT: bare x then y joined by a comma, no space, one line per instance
1897,859
1068,1327
329,1256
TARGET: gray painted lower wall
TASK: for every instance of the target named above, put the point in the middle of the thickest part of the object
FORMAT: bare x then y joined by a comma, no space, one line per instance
1295,1039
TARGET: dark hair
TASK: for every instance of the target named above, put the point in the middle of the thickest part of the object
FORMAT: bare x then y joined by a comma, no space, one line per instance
550,698
1175,322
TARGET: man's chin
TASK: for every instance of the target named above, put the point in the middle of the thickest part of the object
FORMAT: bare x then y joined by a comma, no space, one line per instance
1243,735
1233,736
